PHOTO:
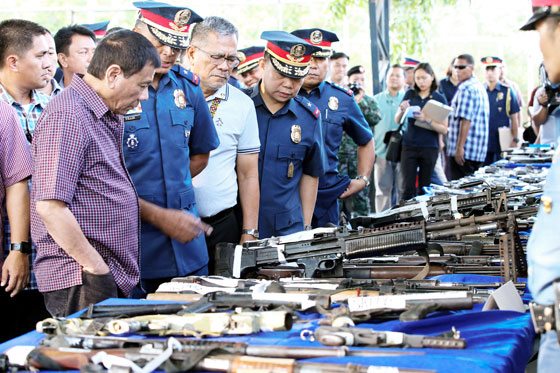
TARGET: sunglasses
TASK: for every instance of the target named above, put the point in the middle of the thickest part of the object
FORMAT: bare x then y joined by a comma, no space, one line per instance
460,67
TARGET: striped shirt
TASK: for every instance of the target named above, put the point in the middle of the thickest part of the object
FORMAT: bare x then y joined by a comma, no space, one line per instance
77,155
15,156
470,103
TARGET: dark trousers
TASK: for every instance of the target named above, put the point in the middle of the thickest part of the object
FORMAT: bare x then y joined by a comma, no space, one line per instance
21,313
226,228
492,157
94,289
457,171
416,161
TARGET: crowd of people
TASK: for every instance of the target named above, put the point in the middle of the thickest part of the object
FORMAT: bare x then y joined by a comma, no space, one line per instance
129,155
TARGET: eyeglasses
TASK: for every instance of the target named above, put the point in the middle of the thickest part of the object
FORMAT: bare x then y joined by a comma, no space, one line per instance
218,59
460,67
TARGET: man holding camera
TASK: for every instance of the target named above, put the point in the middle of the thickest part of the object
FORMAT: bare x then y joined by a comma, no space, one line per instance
339,113
545,111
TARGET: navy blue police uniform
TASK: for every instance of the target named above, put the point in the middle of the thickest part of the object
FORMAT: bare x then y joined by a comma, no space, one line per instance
291,145
503,104
340,113
160,135
543,247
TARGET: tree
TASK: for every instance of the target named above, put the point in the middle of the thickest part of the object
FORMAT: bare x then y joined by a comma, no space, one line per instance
408,25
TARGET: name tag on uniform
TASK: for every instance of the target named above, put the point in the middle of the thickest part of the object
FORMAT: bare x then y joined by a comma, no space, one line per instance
133,114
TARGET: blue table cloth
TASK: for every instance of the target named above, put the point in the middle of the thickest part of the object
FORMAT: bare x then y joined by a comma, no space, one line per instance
497,341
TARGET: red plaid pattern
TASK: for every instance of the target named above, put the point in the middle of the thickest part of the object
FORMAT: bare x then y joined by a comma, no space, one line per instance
15,156
77,154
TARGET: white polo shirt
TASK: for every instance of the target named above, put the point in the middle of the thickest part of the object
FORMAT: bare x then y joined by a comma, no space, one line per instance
215,188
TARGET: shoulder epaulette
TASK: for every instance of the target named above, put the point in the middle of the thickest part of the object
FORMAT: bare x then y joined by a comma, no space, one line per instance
310,106
341,88
181,71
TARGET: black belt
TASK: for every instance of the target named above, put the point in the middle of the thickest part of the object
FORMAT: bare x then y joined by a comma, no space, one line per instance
546,318
219,216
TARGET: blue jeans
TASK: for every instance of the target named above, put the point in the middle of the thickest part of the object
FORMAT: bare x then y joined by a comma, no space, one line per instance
549,353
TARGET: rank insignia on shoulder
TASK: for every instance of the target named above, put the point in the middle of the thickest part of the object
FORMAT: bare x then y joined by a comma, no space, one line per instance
343,89
333,103
132,141
295,134
180,99
133,114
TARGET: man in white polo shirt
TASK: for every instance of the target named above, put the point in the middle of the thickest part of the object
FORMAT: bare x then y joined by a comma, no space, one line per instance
233,166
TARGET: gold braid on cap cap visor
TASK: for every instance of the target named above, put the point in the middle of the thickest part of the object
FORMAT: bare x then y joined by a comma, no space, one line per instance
290,69
182,34
248,66
285,60
181,42
548,10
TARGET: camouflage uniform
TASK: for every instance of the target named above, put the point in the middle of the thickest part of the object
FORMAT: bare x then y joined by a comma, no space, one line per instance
359,204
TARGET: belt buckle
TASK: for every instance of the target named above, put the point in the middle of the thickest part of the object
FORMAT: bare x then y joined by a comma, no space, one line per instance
556,287
542,317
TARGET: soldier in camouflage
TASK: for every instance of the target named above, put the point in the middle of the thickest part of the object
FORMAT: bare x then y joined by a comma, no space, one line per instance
359,204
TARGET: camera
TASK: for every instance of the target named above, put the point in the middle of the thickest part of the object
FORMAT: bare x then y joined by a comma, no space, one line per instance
355,88
553,96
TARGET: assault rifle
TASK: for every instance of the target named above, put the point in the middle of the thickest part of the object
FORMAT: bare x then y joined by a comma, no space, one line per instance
345,336
408,266
177,357
445,207
195,288
320,252
197,324
216,301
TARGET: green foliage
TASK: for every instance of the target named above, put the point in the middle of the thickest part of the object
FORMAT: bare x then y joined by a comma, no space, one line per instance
409,23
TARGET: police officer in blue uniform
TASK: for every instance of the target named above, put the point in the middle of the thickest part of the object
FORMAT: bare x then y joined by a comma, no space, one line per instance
167,139
340,112
291,159
503,108
543,248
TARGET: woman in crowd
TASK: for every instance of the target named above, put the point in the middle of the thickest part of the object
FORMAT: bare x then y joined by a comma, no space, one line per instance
420,144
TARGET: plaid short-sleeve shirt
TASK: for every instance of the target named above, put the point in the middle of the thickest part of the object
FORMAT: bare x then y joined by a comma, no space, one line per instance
28,115
470,103
77,155
15,156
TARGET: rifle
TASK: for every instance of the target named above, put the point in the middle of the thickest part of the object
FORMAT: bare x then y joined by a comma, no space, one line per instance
320,252
407,307
202,359
212,302
410,272
344,336
196,324
337,289
446,206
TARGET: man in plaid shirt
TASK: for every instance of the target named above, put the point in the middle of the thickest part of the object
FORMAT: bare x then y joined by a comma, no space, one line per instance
24,69
85,217
468,126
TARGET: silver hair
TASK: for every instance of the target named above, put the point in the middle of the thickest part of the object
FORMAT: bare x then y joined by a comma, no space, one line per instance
218,25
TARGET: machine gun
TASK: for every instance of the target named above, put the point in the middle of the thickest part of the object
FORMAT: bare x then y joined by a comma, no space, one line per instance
320,252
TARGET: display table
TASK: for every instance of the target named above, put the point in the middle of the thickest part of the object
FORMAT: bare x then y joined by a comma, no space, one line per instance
497,341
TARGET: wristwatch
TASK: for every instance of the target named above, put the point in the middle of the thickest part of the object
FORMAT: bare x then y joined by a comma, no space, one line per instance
22,247
251,232
515,140
364,178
